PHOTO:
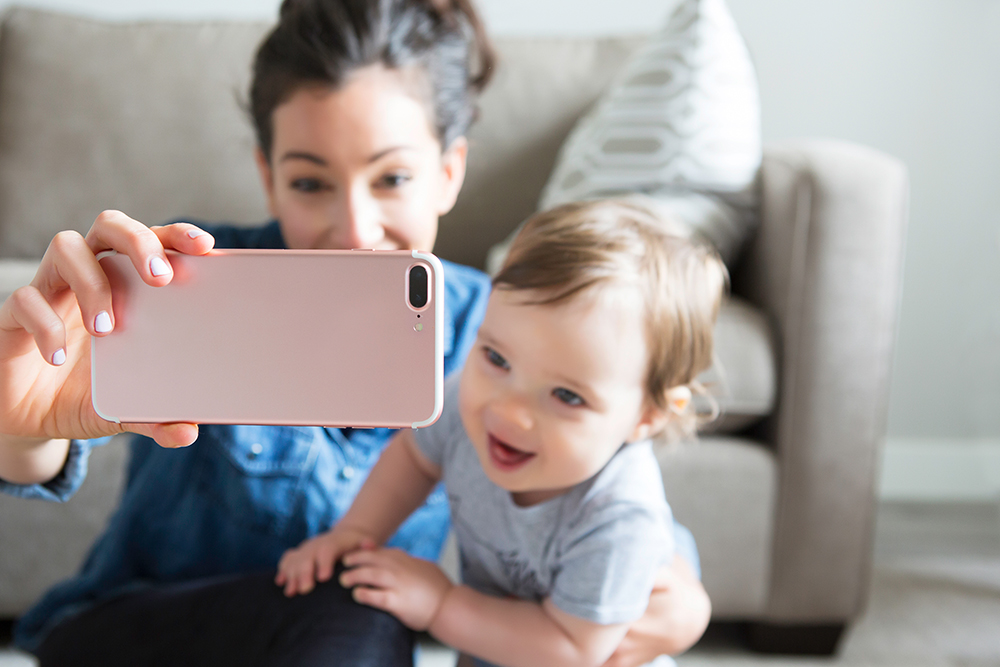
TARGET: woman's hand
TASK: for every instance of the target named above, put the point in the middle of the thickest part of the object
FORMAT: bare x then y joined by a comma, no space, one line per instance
411,589
45,330
676,618
301,568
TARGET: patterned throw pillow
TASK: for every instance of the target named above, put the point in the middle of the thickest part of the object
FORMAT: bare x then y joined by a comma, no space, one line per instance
679,129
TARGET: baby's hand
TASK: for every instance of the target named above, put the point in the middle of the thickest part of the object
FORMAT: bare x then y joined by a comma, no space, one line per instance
312,561
411,589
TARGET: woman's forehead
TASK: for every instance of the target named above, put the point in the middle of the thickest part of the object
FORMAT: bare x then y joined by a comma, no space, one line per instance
375,108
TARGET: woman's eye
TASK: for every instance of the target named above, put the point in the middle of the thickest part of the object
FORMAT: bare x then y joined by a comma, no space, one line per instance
307,185
496,359
568,397
394,180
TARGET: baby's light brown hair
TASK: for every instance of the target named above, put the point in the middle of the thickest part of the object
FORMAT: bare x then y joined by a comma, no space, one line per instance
564,251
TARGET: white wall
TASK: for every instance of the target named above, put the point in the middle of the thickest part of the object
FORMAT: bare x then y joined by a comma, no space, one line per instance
919,79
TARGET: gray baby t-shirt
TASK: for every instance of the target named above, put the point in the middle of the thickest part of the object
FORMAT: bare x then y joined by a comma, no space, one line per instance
593,550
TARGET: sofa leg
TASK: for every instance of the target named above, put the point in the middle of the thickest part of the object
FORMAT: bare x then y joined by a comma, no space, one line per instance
795,639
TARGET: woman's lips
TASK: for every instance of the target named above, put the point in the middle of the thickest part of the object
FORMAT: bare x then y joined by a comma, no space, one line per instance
506,457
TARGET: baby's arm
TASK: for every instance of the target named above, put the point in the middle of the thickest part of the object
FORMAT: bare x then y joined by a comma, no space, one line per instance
521,633
503,631
400,481
676,618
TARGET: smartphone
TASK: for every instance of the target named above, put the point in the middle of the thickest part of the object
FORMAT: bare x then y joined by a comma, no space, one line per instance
293,337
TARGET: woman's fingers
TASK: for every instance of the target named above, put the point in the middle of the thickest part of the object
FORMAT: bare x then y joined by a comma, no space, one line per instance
27,309
70,264
146,246
113,230
184,237
170,436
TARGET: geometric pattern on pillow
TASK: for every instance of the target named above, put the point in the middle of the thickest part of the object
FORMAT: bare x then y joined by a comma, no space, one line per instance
680,124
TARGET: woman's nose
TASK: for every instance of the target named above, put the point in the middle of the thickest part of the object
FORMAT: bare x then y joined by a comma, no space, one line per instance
361,224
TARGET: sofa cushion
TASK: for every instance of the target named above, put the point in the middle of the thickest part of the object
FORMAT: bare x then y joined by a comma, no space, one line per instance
541,88
144,117
724,490
681,123
743,380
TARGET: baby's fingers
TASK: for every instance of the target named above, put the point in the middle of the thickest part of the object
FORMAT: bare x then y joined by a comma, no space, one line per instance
374,597
284,568
299,573
324,566
373,576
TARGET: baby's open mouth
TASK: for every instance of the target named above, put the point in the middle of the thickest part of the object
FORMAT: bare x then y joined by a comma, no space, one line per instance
506,457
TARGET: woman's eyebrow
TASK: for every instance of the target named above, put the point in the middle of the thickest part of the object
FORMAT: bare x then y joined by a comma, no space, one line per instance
392,149
302,155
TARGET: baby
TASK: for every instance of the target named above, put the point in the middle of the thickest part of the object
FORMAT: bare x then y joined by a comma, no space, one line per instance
597,326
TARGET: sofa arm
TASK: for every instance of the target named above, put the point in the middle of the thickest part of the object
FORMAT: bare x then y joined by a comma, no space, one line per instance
826,266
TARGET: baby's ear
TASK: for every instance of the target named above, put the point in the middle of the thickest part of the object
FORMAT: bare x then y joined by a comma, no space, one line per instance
655,419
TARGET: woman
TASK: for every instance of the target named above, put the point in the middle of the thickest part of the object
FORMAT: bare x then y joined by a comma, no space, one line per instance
360,110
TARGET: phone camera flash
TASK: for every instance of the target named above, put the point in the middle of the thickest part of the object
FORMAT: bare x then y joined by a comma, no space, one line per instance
418,327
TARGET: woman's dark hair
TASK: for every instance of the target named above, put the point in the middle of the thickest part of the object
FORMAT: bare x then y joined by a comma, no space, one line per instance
321,42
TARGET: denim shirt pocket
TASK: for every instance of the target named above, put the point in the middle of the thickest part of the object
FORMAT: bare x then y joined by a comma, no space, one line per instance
260,477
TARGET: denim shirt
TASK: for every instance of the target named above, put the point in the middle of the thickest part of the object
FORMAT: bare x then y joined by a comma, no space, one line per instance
240,496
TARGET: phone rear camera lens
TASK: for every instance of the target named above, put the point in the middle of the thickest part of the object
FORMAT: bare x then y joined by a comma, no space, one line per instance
418,287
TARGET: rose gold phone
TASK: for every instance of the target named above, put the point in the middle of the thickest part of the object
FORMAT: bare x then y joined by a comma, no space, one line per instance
294,337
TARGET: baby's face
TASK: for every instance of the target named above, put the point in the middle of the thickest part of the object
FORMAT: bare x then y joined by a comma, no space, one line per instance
359,167
551,392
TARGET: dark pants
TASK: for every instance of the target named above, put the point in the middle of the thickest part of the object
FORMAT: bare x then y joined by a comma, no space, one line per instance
244,620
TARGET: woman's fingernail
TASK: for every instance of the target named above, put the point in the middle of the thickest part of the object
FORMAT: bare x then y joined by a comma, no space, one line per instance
195,233
59,357
102,323
158,267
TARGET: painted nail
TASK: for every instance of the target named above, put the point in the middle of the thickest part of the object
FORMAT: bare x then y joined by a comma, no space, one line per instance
59,357
102,323
195,233
158,267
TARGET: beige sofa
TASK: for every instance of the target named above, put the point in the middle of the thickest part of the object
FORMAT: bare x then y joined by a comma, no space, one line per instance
145,117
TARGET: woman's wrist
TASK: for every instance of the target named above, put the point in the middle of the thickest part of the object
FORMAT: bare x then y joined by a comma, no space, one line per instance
27,460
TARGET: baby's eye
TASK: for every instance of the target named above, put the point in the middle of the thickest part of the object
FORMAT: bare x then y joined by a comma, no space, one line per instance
496,358
568,397
394,180
307,184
